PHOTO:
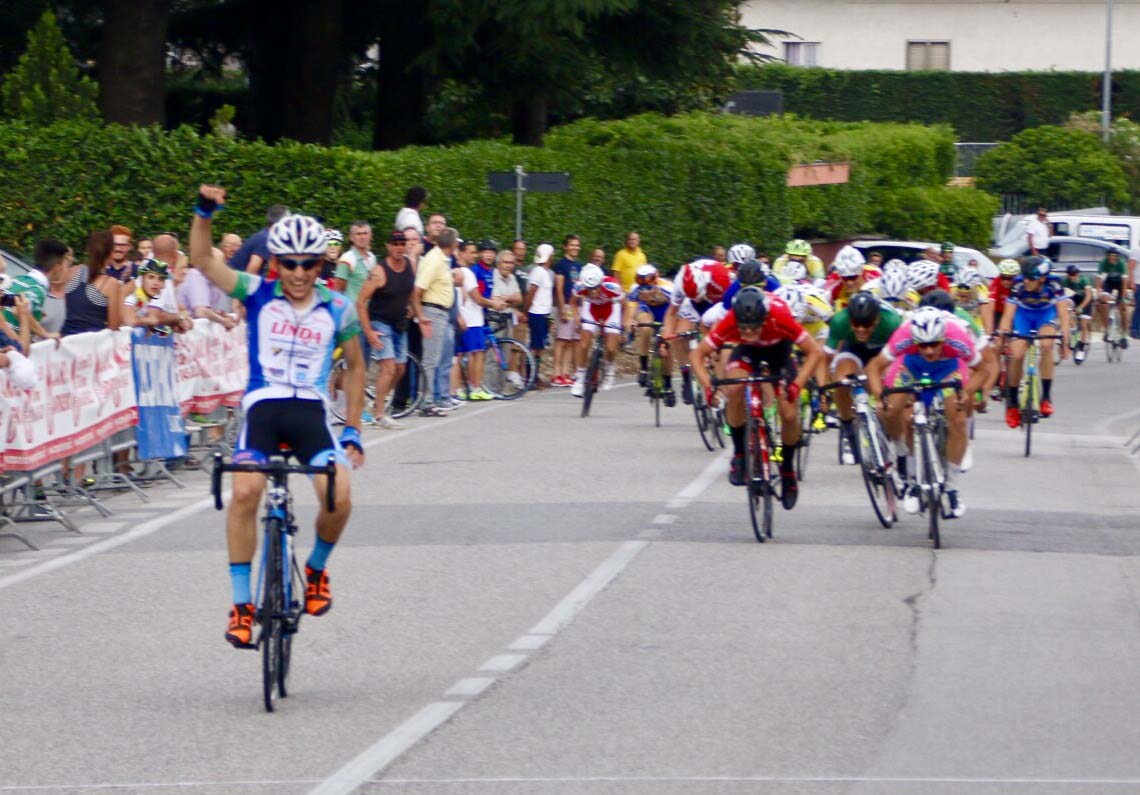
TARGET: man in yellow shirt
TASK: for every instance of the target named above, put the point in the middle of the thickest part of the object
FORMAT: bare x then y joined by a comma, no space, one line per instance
628,260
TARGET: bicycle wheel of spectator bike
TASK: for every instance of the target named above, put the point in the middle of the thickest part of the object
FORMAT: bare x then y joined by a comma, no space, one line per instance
705,419
592,376
417,390
508,371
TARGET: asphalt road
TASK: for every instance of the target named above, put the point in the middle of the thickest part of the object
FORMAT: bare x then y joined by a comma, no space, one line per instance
529,602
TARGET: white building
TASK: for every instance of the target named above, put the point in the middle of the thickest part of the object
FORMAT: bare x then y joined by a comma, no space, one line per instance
964,35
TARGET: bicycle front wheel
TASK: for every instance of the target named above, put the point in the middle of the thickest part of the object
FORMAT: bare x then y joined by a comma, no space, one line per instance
1029,412
704,417
806,432
756,481
592,376
875,476
272,613
932,489
509,369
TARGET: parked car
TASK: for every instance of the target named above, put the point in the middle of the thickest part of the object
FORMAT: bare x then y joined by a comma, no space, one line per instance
1064,251
1098,224
910,250
13,265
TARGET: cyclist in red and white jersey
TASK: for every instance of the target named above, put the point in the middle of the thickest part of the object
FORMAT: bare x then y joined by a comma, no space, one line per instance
599,311
697,288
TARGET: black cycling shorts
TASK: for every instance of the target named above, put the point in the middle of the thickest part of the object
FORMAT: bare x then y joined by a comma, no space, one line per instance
778,357
1114,281
861,352
297,424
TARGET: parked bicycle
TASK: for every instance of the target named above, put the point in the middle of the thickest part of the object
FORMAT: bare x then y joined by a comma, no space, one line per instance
761,462
280,584
508,367
417,392
929,422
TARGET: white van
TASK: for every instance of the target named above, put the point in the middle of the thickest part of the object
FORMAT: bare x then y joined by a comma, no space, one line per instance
1123,230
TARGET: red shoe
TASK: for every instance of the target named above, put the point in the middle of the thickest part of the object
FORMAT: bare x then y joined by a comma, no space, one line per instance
318,597
1013,417
240,631
1046,408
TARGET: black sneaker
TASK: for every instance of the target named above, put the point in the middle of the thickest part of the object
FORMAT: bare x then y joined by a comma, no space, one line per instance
790,489
957,507
736,473
670,398
1123,343
642,378
687,394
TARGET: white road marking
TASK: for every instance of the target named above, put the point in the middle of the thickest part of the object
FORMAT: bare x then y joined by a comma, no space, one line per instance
472,686
502,663
388,748
529,642
837,779
665,518
391,746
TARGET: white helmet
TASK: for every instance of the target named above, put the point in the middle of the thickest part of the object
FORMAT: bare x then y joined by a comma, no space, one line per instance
794,271
741,253
894,264
894,283
818,310
849,262
297,234
647,270
793,296
922,274
967,276
928,324
591,276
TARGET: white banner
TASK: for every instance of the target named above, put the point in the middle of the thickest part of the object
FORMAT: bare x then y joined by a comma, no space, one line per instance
85,393
213,367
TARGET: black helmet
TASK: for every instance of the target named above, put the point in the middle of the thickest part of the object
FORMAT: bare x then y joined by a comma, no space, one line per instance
1073,268
1034,267
863,309
750,308
487,244
939,299
751,273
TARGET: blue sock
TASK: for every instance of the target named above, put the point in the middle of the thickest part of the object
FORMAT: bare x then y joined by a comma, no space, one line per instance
320,555
239,577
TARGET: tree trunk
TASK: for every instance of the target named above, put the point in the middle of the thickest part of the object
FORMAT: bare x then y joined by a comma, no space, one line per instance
294,65
528,120
401,90
132,64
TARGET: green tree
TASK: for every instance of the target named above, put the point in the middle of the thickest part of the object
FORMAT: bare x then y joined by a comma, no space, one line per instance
46,84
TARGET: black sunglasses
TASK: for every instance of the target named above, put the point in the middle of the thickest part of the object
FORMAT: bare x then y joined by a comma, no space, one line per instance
308,264
851,278
923,345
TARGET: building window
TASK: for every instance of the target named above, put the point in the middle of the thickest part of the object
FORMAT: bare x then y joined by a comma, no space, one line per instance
928,55
801,53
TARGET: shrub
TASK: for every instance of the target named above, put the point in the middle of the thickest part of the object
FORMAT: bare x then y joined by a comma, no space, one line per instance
46,85
963,215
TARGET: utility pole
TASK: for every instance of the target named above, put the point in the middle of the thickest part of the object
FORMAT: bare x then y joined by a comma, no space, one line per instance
1106,101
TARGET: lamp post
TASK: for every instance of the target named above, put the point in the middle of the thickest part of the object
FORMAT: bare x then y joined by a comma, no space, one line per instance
1106,101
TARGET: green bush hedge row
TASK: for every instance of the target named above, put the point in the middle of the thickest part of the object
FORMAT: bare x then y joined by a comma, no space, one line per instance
685,182
981,106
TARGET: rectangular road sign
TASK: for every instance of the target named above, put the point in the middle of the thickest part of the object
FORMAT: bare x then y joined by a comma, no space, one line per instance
533,182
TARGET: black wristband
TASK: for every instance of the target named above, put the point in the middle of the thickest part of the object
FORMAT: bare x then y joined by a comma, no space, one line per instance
205,207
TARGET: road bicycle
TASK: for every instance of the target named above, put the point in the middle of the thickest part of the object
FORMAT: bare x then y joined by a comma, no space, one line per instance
929,421
655,372
708,422
872,449
809,409
1114,342
761,461
1029,391
280,584
592,378
508,367
417,391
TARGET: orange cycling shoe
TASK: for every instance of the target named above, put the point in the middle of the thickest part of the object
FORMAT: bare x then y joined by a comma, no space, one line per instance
1013,417
318,597
1046,408
240,632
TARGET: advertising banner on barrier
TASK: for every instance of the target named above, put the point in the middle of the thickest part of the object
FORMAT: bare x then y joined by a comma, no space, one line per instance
213,368
85,393
160,433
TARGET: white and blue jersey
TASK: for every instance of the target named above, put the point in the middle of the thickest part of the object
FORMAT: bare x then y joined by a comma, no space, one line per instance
291,352
656,310
1035,308
771,285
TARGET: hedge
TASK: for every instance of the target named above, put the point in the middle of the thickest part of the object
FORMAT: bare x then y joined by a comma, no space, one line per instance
980,106
684,182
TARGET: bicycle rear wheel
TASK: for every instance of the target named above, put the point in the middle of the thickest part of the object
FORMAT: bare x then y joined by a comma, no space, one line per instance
272,613
876,476
590,385
756,481
417,390
509,369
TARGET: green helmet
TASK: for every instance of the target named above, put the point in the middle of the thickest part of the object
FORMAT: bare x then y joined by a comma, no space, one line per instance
154,266
947,247
798,248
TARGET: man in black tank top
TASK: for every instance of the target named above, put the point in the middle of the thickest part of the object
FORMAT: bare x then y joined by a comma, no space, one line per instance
383,305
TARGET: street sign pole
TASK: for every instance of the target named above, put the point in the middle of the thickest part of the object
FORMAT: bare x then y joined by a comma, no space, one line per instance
520,176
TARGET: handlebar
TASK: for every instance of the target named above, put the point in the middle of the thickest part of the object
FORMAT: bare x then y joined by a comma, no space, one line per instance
845,383
748,379
923,386
276,466
1030,337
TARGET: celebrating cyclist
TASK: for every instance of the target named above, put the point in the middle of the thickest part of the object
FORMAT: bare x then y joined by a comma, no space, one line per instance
763,330
1035,305
799,251
933,346
856,335
294,326
1080,306
599,298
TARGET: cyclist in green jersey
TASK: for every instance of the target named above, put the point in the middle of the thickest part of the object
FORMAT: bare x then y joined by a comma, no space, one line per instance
1082,300
856,335
1113,278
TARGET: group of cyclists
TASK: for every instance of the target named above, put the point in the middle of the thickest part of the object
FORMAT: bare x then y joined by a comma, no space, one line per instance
896,322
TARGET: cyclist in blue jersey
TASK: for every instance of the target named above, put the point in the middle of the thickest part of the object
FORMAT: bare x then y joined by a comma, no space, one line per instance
1035,304
294,325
